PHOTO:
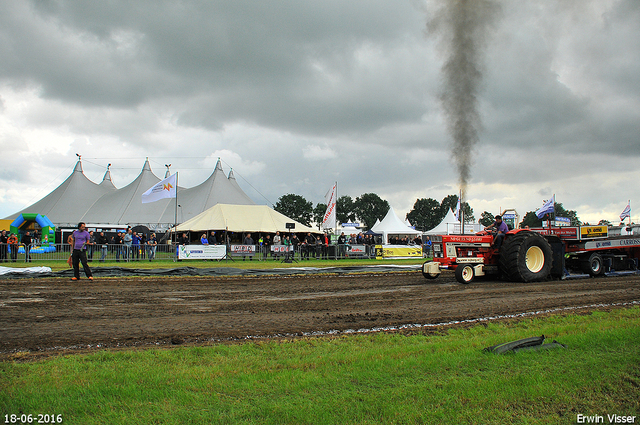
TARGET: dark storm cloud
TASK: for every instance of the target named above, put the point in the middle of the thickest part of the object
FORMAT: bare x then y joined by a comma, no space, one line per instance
306,66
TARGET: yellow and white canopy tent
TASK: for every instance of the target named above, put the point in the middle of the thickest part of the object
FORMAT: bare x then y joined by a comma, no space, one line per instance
242,218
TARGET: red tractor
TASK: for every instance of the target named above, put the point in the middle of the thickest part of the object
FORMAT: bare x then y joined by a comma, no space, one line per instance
529,255
524,256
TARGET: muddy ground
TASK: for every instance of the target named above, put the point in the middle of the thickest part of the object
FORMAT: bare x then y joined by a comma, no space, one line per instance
52,315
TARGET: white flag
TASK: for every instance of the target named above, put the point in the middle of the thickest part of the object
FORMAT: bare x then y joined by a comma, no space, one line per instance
547,208
627,212
457,213
167,188
329,219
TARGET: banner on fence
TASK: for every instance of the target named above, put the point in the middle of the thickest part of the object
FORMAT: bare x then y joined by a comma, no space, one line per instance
353,250
202,252
281,249
398,251
243,250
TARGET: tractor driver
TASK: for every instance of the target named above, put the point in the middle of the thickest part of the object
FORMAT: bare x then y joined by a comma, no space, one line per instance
501,228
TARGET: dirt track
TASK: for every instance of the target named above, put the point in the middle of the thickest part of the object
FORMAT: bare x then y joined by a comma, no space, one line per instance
51,315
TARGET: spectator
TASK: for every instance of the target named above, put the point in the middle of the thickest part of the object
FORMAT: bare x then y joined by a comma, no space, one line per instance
90,245
248,240
295,244
152,245
309,245
118,241
427,246
342,240
319,246
127,242
143,247
135,246
213,240
3,246
277,241
204,240
101,240
267,245
26,241
12,242
325,245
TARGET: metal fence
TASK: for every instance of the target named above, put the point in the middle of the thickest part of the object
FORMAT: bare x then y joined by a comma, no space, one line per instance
122,253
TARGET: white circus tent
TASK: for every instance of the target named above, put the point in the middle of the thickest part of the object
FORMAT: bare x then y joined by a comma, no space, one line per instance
102,205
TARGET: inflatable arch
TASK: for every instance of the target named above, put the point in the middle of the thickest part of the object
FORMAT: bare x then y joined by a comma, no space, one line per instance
48,235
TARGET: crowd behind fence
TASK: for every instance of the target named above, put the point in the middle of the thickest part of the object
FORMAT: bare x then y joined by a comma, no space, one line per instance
124,253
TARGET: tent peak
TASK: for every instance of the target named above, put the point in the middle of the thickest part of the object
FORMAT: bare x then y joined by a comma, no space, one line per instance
231,176
146,165
219,164
78,167
107,174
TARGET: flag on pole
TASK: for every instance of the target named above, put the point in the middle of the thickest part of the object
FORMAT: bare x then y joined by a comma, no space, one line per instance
627,212
458,210
547,208
167,188
329,219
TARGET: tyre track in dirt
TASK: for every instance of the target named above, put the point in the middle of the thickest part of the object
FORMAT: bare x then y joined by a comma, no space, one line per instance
51,314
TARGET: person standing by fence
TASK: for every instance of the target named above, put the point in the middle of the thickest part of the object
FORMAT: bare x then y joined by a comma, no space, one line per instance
12,241
127,241
27,241
152,244
80,239
101,240
3,246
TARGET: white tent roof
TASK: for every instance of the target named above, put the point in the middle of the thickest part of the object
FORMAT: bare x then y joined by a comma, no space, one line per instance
241,218
79,199
445,225
450,225
392,225
125,206
67,204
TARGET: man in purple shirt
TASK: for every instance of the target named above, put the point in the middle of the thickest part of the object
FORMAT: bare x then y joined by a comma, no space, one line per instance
501,229
80,238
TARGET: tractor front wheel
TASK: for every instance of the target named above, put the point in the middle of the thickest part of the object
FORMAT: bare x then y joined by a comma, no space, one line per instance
465,274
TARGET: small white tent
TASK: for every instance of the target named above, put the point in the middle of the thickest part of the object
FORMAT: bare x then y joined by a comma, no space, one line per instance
446,225
392,225
450,225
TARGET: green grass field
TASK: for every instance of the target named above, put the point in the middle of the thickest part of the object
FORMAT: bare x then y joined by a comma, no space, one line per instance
436,378
166,263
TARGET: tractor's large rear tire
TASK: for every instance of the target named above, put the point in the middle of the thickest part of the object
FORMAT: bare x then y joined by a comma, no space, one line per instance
526,257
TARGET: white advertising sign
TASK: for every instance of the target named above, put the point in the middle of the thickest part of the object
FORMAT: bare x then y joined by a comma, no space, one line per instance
202,252
243,249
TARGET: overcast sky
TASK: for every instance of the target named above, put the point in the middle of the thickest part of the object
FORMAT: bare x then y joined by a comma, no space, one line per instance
295,95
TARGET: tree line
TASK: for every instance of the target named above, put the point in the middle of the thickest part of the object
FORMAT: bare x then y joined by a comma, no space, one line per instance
426,213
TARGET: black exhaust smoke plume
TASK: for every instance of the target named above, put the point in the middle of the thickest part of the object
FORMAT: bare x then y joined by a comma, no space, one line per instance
461,27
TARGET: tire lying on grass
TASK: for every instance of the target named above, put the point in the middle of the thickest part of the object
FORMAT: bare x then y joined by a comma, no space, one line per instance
525,257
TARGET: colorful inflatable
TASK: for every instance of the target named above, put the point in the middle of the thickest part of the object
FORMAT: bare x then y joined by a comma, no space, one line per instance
48,228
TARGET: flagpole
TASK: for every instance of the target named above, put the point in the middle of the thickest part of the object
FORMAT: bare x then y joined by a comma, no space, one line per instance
461,213
175,220
335,224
